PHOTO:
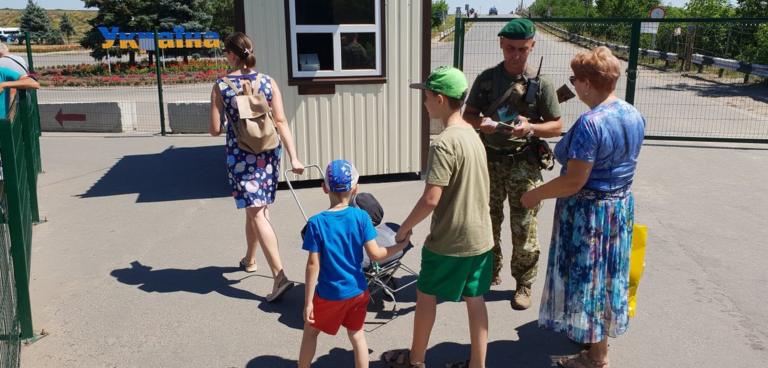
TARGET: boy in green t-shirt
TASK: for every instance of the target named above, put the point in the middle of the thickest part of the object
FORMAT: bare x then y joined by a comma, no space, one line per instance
456,260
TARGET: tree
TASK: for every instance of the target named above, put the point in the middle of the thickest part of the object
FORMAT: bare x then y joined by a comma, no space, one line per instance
438,8
35,20
221,11
144,16
66,27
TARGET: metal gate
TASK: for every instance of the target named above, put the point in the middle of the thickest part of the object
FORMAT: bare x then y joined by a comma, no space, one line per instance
683,79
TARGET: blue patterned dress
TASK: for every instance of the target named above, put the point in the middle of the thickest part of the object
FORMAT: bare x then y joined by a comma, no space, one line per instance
253,177
587,285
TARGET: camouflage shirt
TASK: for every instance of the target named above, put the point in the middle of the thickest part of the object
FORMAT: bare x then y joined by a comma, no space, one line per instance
492,83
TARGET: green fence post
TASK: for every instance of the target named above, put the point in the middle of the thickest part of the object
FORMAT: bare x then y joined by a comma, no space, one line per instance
159,84
634,52
456,42
462,42
19,216
29,53
30,149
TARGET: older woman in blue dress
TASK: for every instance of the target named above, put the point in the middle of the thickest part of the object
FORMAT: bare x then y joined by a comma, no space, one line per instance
586,290
253,177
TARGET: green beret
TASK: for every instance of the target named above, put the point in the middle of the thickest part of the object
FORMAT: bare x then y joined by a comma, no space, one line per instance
518,29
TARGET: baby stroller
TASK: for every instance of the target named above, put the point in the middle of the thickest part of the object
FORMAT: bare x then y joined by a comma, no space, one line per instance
379,275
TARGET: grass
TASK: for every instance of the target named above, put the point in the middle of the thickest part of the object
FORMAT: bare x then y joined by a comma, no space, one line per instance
79,19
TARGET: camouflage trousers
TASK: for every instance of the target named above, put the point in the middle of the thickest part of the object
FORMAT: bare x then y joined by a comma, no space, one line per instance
509,182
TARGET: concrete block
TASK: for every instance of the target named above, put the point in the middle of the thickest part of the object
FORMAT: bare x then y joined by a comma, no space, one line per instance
189,117
99,117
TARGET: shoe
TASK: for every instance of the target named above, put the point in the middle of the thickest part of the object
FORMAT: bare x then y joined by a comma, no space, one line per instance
279,291
522,299
248,267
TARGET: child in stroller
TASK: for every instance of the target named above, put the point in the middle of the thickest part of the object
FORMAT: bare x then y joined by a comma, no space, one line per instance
381,275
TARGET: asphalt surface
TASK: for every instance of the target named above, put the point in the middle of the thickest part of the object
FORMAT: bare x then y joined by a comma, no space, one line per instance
674,103
136,266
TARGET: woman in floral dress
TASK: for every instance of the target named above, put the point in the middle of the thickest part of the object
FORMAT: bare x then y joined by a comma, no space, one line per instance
586,290
253,177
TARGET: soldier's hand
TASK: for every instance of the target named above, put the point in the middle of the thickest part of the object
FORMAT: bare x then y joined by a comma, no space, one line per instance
529,199
487,128
523,128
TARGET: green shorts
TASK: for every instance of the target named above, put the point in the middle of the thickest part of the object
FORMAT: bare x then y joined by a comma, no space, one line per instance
450,278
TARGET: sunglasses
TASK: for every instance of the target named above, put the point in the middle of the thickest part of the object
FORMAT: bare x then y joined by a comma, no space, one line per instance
224,50
573,80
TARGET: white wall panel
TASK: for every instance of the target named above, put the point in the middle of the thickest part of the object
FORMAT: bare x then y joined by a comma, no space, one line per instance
375,126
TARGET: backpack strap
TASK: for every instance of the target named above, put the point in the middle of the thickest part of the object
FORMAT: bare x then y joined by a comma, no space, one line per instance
17,62
231,85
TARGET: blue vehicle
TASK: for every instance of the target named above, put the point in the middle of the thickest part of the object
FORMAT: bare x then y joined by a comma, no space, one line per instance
493,11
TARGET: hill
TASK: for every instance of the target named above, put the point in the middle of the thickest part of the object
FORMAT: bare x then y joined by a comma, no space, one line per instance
79,19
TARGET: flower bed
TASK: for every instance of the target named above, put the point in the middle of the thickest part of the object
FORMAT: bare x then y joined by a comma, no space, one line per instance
124,74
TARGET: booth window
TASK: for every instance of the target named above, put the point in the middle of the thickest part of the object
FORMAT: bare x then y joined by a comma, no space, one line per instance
335,41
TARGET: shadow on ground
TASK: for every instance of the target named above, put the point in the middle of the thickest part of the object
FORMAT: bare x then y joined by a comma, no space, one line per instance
705,87
172,175
186,173
208,280
535,348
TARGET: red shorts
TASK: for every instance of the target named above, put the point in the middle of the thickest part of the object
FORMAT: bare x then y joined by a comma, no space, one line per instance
332,314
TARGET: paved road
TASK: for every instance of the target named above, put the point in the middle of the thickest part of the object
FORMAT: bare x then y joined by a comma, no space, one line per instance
673,103
135,266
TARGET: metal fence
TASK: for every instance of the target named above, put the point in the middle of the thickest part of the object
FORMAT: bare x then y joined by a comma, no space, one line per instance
680,99
20,164
157,82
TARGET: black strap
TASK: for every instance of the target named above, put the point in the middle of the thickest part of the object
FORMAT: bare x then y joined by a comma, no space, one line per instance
495,105
20,64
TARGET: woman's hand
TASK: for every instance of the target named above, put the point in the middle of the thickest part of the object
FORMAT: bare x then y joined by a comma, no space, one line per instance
297,167
530,199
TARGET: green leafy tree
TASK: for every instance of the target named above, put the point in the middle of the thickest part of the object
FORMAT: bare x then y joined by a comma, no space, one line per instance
438,8
221,12
65,27
192,15
36,21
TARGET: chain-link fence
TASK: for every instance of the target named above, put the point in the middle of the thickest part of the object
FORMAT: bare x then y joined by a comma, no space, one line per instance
10,331
114,86
695,79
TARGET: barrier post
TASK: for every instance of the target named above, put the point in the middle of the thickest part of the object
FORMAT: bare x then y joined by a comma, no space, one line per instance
634,46
159,84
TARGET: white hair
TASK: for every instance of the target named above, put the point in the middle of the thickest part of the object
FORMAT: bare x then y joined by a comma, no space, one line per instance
3,48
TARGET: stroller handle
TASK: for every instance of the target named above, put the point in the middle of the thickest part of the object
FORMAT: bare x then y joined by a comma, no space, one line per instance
293,192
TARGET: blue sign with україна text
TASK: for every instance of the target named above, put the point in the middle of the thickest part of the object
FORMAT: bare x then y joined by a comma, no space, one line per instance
143,41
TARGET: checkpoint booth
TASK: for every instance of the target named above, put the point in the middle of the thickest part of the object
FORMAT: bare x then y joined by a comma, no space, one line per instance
343,68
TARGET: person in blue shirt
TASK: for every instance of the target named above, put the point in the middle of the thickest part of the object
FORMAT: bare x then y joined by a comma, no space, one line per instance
587,286
336,292
10,79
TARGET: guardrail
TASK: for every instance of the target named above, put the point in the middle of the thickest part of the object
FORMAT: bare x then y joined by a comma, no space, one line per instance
701,60
447,32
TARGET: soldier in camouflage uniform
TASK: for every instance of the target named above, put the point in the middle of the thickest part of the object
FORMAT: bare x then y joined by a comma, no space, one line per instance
512,167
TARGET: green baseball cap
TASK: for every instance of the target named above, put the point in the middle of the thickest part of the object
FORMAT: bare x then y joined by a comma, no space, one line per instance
518,29
445,80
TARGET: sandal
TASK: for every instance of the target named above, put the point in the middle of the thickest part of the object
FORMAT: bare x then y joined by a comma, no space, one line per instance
399,359
581,360
248,267
280,289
